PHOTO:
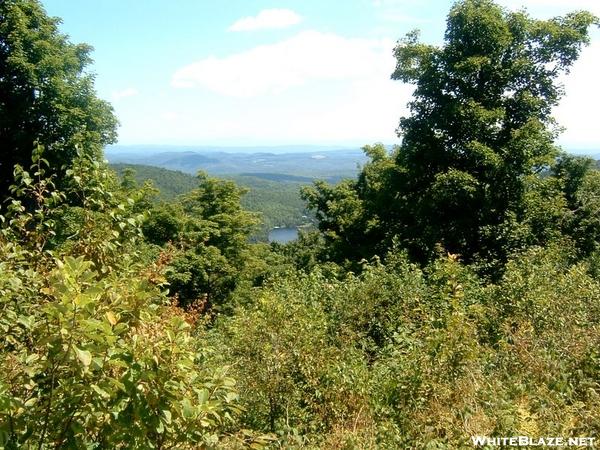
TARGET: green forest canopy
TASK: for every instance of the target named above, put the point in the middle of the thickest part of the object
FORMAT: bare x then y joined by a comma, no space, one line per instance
276,197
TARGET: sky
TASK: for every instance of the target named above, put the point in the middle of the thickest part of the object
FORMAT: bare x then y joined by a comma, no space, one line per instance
285,72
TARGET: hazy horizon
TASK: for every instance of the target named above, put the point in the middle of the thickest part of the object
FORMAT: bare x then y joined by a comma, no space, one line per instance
281,149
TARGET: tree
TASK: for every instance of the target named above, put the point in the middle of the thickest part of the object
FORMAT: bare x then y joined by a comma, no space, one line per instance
479,134
351,213
480,120
209,231
46,96
215,209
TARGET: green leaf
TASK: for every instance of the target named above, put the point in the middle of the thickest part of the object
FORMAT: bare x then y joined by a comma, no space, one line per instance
26,321
110,316
84,356
202,396
100,391
188,409
30,402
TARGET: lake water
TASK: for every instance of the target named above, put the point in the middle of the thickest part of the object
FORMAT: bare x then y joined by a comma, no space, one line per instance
283,235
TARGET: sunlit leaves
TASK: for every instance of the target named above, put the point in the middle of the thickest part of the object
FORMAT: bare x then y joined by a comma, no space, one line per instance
92,350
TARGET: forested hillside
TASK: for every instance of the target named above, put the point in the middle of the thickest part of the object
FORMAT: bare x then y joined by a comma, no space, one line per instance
276,197
169,183
452,289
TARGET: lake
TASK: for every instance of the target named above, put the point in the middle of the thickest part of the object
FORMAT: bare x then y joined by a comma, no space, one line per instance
283,235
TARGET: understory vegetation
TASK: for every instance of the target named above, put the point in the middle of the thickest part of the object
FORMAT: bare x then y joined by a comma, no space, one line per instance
452,289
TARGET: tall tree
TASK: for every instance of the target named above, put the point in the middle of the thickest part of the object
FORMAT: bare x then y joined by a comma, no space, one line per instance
479,132
46,95
480,122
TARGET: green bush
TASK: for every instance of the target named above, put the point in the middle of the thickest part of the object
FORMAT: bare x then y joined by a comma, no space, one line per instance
94,356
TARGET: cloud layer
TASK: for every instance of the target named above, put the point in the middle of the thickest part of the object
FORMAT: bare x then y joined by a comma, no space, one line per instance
306,57
267,19
577,111
323,87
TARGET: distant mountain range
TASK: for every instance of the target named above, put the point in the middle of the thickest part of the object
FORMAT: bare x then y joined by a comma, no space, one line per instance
296,161
305,162
274,149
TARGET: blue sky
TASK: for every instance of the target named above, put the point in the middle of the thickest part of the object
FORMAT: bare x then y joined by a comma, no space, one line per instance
250,72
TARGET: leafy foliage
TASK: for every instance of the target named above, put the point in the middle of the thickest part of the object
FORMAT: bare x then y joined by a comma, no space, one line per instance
402,357
94,355
46,96
170,183
210,231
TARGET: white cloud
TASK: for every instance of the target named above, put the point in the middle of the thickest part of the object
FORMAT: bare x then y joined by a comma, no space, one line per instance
267,19
367,111
313,87
307,57
360,112
124,93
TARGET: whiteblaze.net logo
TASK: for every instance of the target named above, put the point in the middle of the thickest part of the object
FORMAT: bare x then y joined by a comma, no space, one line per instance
526,441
